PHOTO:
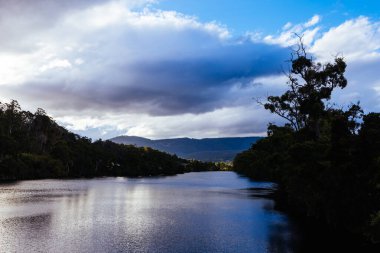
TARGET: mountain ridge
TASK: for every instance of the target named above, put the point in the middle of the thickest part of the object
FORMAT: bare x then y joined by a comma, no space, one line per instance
205,149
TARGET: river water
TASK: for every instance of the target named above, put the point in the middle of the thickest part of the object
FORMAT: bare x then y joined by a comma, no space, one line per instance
193,212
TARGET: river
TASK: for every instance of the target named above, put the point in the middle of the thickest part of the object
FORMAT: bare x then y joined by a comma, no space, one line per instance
193,212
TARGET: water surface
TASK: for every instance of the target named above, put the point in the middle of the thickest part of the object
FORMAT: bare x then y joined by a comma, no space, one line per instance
193,212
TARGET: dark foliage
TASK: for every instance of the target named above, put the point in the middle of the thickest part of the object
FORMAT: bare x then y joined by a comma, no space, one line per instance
33,146
326,160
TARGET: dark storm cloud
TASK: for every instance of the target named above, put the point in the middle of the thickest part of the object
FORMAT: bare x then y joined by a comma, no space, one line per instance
166,87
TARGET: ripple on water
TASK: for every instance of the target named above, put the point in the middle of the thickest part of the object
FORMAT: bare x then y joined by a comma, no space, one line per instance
193,212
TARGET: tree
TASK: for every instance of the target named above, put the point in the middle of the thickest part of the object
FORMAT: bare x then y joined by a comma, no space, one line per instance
33,145
12,116
326,160
310,86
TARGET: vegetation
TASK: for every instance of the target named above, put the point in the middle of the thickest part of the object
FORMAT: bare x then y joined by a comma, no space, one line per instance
326,160
224,166
33,146
207,150
197,166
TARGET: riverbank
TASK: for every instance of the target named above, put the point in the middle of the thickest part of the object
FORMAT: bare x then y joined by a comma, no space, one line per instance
311,235
315,236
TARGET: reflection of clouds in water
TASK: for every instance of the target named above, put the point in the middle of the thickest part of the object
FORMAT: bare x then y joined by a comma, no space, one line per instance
30,198
195,212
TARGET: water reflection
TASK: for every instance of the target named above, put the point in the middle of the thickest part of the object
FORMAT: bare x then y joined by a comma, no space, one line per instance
194,212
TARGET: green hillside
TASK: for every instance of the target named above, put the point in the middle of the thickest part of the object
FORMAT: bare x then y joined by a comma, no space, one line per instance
33,145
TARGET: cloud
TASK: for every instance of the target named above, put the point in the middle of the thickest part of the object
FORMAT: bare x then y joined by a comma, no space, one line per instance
245,118
358,41
234,121
313,21
354,39
287,37
109,67
109,57
23,22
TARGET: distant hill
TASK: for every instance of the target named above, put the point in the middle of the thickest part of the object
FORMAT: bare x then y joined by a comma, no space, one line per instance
209,149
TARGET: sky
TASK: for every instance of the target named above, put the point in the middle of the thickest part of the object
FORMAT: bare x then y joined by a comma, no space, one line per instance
177,68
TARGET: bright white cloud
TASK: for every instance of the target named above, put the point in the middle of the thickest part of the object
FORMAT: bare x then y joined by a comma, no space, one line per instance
354,39
56,63
358,41
287,37
313,21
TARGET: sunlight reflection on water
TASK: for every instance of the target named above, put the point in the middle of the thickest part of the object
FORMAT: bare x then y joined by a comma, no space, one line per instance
194,212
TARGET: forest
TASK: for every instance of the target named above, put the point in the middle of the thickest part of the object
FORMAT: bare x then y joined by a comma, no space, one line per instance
326,158
34,146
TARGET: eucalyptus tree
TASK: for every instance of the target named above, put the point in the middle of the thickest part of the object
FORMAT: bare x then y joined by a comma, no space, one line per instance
310,87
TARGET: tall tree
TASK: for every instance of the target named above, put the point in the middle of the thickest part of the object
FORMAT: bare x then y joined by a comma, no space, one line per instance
310,86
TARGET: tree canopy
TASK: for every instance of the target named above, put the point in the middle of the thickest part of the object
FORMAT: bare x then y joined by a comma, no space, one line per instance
325,159
310,86
33,145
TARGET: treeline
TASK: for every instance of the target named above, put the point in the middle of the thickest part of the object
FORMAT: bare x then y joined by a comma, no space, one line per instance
326,160
34,146
197,166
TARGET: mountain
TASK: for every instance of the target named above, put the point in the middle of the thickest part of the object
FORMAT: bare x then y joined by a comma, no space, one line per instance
209,149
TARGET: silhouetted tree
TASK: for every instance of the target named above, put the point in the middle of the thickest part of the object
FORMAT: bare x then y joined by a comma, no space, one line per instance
310,86
326,160
34,146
